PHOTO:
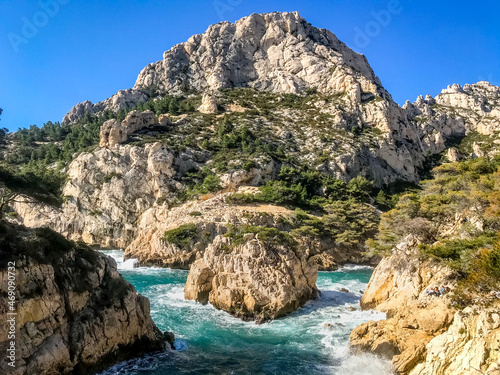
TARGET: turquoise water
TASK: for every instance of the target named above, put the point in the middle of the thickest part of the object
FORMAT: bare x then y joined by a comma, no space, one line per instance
210,341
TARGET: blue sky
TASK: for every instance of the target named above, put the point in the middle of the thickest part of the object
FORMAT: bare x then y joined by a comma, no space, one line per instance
90,49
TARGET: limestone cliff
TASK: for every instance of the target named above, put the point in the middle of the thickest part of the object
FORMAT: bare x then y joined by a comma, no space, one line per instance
75,313
106,193
470,346
456,112
422,333
214,217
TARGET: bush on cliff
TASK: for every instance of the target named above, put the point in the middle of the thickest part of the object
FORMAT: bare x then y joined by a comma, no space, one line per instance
268,235
181,236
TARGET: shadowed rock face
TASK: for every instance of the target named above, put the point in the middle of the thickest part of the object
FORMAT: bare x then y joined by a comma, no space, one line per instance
75,313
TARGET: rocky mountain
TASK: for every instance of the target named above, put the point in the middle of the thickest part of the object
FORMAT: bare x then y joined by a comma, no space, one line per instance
278,52
272,105
75,313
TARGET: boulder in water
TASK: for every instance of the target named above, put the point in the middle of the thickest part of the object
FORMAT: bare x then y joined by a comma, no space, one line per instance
257,280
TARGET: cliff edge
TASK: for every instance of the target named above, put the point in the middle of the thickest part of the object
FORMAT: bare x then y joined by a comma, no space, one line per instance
75,313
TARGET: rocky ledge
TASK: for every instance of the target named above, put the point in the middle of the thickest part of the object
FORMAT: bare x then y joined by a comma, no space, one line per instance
75,313
422,334
214,216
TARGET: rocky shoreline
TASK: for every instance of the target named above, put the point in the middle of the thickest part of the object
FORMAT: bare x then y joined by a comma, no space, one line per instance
422,334
75,313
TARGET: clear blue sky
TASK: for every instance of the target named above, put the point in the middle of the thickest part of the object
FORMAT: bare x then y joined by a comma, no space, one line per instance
90,49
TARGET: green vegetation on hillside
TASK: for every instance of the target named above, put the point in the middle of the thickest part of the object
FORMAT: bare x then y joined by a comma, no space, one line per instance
456,215
341,209
268,235
173,105
45,151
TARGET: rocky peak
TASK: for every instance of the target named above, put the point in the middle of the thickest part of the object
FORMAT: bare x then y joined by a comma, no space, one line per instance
277,52
481,96
123,99
476,107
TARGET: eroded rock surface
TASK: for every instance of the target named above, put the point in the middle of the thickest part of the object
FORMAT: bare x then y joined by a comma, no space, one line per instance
75,313
398,288
106,193
422,334
470,346
123,99
256,280
113,133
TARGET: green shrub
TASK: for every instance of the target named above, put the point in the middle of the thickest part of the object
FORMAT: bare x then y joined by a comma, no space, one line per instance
181,236
265,234
458,251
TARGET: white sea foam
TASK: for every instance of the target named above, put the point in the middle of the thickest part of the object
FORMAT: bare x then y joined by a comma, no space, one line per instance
129,264
354,267
322,326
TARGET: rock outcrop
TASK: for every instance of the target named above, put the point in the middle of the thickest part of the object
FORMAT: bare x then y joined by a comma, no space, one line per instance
123,99
277,52
470,346
113,133
75,313
208,104
398,288
106,193
258,280
458,110
422,334
213,217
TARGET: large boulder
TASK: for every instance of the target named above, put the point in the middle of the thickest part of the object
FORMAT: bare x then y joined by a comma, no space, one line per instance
257,280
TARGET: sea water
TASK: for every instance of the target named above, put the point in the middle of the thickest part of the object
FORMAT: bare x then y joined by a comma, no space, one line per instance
312,340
